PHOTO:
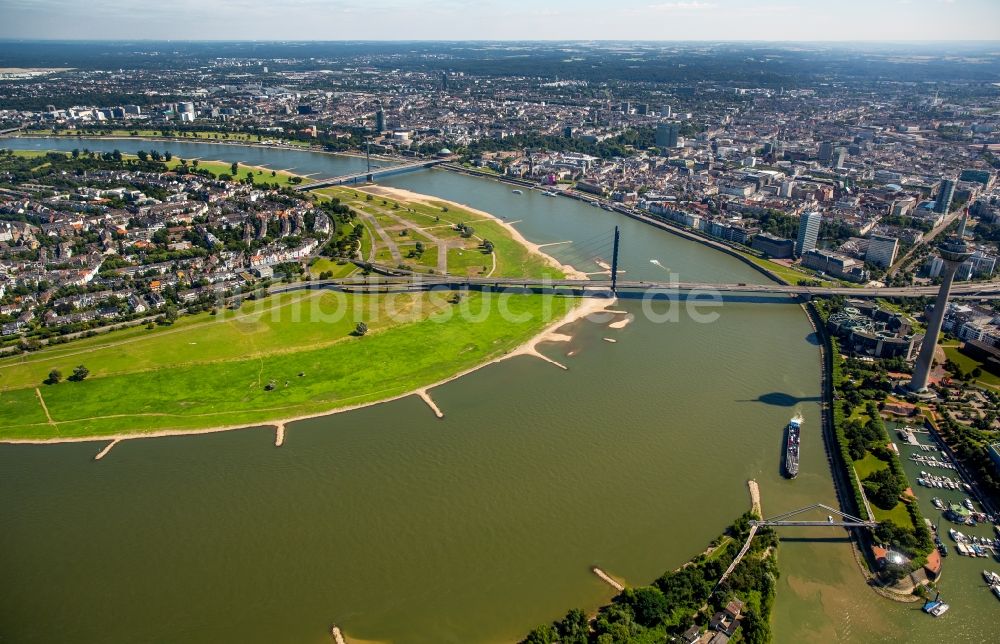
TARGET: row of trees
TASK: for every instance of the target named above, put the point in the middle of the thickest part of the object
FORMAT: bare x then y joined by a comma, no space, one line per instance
854,383
971,445
79,374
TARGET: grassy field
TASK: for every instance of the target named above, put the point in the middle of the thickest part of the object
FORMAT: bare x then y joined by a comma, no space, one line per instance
323,264
790,275
439,219
261,174
208,371
897,514
215,370
204,135
967,364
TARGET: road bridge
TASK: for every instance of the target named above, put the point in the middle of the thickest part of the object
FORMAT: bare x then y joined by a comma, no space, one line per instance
420,282
369,174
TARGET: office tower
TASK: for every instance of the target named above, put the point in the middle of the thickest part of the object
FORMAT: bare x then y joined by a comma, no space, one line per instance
825,152
667,135
380,121
882,250
945,195
808,232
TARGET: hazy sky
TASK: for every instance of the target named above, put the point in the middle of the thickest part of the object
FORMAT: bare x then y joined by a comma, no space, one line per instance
503,19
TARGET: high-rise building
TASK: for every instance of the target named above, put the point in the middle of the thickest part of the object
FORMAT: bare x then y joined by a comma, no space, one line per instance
667,134
825,152
380,121
667,111
945,195
839,157
444,81
953,253
808,232
882,250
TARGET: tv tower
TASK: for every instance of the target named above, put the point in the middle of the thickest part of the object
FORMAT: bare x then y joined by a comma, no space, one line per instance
953,251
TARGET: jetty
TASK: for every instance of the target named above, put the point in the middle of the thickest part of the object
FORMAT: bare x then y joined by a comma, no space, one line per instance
608,579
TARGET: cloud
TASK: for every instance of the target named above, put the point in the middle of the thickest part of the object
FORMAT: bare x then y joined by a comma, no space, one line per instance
683,6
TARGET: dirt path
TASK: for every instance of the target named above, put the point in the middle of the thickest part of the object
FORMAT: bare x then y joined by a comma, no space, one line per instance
442,259
384,236
45,407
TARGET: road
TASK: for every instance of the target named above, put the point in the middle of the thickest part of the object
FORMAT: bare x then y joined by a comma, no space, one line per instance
902,261
413,282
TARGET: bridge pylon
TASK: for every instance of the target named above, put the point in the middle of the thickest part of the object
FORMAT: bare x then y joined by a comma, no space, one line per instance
614,263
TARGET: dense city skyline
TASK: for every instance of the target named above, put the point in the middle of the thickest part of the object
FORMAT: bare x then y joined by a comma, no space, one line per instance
883,20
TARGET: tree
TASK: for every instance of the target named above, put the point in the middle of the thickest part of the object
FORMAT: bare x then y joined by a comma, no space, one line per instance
648,604
76,153
143,155
194,163
80,374
54,377
883,488
167,156
361,329
234,169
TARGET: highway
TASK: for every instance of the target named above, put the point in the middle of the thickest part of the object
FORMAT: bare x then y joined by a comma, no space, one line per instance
413,282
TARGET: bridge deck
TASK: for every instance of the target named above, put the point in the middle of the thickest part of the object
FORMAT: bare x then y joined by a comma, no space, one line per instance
989,290
344,178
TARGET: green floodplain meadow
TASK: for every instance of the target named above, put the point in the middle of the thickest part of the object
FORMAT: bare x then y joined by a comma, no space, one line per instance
287,355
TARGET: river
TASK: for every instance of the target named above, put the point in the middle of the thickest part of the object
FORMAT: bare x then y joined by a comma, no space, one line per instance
402,527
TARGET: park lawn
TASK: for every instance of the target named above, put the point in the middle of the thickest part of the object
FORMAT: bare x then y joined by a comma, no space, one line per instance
869,464
513,259
967,364
280,324
324,264
471,262
28,154
721,549
391,360
261,174
897,515
790,275
203,135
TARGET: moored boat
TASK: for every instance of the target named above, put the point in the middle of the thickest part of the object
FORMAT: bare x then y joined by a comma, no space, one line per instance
936,607
792,445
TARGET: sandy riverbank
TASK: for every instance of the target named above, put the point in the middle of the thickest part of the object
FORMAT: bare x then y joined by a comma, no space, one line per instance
586,307
406,195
